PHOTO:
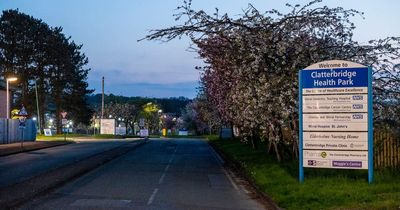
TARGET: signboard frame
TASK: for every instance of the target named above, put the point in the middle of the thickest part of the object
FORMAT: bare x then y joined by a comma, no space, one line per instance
144,133
107,126
120,131
370,133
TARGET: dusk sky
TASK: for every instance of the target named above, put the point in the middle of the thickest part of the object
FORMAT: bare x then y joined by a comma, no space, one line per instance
109,31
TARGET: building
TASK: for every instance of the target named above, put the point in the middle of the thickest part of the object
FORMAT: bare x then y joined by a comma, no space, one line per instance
3,99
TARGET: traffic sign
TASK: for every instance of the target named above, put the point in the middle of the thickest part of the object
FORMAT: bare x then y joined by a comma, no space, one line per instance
22,114
63,114
335,105
141,122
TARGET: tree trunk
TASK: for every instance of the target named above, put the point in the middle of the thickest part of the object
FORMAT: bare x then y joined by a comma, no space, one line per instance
41,99
254,140
58,119
58,103
278,157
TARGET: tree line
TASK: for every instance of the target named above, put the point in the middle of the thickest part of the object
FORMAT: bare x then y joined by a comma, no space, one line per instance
157,112
43,57
250,80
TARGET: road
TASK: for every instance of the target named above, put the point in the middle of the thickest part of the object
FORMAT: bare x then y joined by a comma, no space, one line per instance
162,174
23,166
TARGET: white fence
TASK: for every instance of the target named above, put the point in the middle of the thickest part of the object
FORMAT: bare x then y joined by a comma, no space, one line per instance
11,132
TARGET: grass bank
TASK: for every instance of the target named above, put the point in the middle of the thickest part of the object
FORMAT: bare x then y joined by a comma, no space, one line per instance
322,189
57,137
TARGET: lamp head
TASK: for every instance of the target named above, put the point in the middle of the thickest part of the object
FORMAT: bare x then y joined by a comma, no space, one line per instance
12,79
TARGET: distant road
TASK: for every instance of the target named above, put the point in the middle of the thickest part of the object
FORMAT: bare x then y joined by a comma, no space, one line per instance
22,166
162,174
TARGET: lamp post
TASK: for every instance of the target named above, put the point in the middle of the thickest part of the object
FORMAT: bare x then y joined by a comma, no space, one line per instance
11,79
37,107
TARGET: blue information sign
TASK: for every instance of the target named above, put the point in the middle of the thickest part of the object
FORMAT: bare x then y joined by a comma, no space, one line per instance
335,117
326,78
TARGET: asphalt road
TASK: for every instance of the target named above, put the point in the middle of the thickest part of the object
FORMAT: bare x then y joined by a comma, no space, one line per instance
162,174
22,166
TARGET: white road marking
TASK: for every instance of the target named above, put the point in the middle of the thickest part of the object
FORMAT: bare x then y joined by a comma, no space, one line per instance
161,180
231,180
216,156
153,195
221,162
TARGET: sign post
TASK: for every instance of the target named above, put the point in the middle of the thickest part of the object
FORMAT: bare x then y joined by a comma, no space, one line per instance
64,122
335,114
22,114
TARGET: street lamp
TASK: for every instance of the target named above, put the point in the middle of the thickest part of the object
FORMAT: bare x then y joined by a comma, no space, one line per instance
11,79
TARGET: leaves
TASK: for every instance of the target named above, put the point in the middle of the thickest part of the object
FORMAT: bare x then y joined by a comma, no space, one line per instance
43,55
253,61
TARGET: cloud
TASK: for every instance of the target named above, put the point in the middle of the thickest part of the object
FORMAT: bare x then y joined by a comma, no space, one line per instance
187,89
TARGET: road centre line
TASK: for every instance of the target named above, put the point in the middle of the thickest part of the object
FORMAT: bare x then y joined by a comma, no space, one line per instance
173,155
153,195
161,180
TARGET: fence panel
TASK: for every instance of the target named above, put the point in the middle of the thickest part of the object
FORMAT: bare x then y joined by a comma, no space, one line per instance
386,148
10,131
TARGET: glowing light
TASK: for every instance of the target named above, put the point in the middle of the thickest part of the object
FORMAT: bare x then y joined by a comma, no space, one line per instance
12,79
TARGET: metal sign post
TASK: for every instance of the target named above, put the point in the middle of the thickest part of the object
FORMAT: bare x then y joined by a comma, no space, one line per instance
22,118
335,113
64,122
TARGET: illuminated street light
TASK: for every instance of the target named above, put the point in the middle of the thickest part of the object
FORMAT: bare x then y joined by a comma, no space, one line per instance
34,118
11,79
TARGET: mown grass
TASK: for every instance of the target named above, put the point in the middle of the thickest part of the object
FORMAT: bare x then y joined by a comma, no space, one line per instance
58,137
322,188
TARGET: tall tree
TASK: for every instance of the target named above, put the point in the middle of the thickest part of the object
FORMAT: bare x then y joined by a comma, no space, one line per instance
41,55
252,62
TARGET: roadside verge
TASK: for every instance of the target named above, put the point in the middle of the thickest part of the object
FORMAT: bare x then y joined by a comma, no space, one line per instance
236,167
323,188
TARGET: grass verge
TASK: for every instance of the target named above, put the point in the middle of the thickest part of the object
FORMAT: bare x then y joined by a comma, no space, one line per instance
322,189
58,137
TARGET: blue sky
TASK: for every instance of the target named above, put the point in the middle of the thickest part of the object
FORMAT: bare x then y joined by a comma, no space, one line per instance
109,31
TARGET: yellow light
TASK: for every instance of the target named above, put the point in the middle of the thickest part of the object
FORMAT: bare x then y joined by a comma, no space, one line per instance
12,79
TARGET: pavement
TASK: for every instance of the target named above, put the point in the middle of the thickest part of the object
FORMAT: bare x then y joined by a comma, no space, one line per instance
9,149
22,166
162,174
26,175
